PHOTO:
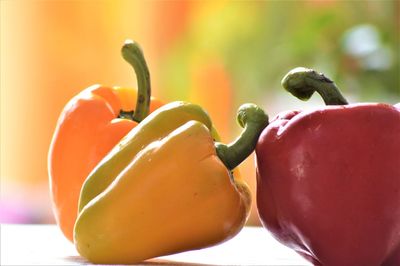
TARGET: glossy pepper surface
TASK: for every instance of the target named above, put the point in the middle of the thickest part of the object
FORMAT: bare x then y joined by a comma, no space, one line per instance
328,183
166,188
90,125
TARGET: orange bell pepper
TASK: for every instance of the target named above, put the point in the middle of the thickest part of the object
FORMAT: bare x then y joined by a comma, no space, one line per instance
89,126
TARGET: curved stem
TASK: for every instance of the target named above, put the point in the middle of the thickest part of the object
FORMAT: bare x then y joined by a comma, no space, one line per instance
133,54
253,119
303,82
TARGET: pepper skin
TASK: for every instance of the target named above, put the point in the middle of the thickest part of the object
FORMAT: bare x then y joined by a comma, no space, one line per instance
165,189
90,125
328,180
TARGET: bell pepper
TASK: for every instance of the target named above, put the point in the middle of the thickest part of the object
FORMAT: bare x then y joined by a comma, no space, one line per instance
166,188
90,125
328,179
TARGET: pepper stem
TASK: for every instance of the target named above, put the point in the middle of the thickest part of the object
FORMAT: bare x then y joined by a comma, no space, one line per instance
253,119
133,54
303,82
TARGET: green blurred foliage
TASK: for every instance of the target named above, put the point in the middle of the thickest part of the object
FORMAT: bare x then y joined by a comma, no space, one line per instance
259,42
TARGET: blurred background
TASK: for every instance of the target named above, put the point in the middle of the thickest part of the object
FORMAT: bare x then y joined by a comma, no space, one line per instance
219,54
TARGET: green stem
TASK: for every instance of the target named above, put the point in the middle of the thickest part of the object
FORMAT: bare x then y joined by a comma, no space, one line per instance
253,119
133,54
303,82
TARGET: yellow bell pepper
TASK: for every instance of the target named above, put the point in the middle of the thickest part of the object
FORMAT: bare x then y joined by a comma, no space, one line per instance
166,188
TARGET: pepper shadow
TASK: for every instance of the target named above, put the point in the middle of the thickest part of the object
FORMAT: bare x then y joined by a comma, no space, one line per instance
77,260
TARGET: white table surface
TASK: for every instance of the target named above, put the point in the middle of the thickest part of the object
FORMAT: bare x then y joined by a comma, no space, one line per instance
45,245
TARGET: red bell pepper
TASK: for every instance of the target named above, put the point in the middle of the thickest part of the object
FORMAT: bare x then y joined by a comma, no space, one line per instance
328,180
